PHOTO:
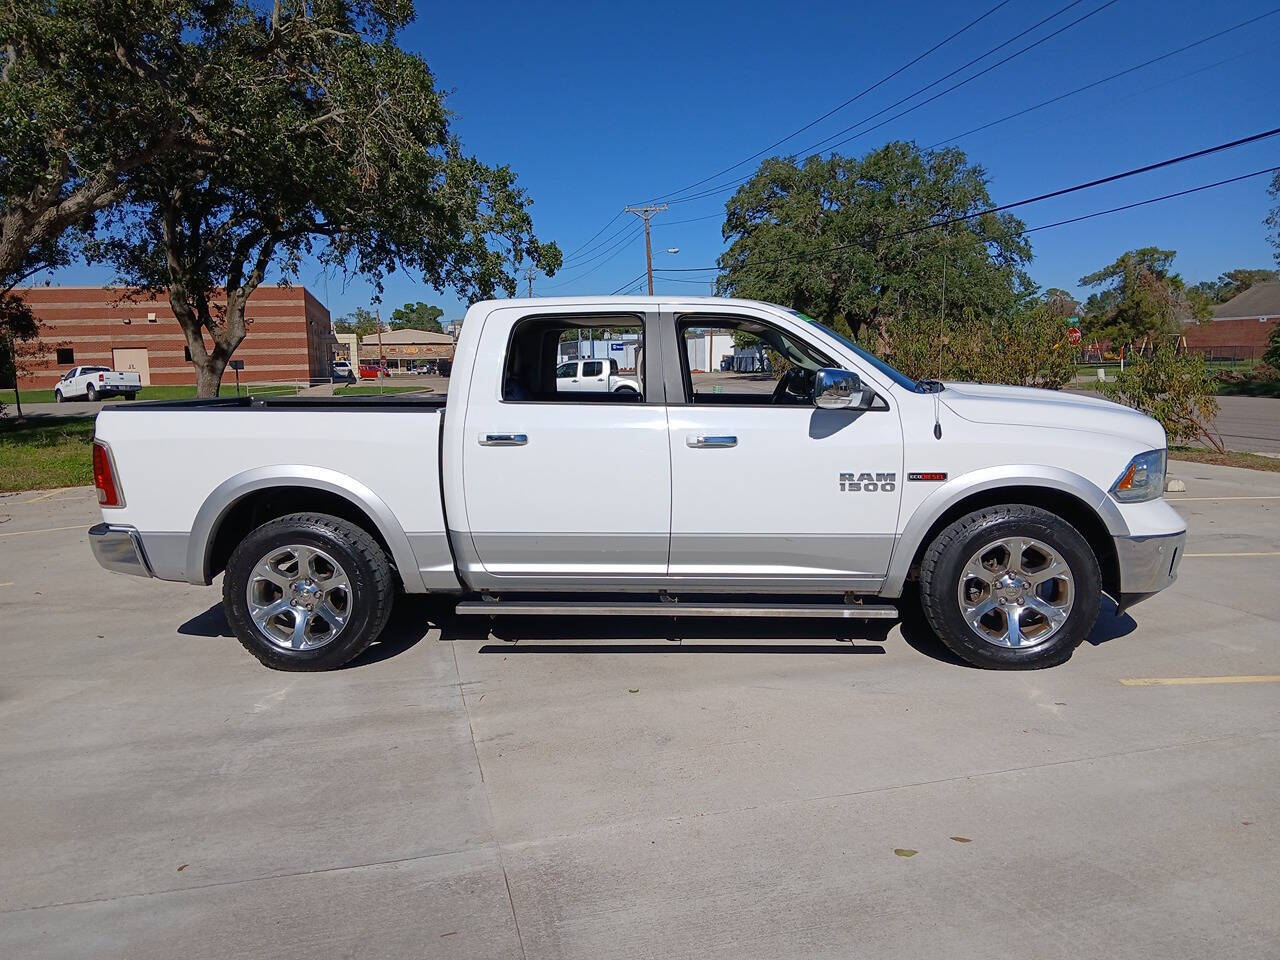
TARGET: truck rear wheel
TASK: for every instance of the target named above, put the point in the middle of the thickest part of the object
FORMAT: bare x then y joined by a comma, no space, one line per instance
1010,587
307,592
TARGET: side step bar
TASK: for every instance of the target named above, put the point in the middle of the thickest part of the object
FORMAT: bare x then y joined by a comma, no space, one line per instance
667,608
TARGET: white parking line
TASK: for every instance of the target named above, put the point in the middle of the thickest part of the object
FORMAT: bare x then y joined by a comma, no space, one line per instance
1189,499
1261,553
20,533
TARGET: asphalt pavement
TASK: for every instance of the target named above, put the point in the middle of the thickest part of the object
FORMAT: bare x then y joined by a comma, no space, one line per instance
610,788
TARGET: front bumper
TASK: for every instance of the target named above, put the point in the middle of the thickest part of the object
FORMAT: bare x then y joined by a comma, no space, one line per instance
1147,565
119,549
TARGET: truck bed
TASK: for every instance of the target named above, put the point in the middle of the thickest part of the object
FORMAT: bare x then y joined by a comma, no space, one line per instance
250,402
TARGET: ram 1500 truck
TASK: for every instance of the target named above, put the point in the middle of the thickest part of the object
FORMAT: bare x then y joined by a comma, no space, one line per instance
840,488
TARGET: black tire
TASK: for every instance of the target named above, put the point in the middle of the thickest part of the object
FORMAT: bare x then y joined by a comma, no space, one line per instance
90,393
57,396
368,570
131,396
946,557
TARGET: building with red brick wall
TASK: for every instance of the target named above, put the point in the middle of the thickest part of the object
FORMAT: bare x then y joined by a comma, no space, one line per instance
289,337
1241,328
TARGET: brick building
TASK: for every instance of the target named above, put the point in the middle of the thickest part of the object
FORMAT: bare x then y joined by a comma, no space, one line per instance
289,335
1241,328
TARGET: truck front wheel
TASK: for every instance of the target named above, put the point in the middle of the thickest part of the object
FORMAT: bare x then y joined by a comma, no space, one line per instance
1010,587
307,592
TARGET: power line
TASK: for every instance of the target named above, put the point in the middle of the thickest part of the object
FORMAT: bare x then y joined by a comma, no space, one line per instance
820,145
596,247
568,256
836,109
630,283
1114,76
611,252
1147,168
1070,220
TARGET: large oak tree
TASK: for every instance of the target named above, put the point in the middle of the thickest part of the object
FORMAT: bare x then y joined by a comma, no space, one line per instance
332,143
858,241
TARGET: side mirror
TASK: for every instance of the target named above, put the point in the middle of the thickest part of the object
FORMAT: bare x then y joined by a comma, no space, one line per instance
840,390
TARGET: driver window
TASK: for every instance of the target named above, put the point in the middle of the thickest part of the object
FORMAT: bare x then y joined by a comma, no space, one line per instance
746,362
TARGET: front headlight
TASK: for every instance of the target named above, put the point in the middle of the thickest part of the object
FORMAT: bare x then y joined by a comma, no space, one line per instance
1143,478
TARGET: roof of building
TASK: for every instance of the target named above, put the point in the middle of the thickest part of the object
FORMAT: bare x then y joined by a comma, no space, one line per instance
401,337
1260,300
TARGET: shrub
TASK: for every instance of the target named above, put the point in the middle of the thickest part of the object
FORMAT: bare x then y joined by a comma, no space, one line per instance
1174,388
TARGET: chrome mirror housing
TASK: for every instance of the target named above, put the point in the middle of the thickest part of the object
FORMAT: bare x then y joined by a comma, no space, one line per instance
840,390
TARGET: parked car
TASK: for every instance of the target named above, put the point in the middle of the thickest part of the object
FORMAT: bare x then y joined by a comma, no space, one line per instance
371,371
593,376
93,383
444,367
1002,514
341,371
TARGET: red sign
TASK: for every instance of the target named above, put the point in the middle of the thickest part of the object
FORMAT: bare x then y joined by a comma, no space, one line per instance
1073,336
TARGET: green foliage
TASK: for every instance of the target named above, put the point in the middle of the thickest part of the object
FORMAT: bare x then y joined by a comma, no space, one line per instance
329,141
1175,388
1232,283
360,321
1140,298
1272,356
782,223
417,316
1028,347
1273,218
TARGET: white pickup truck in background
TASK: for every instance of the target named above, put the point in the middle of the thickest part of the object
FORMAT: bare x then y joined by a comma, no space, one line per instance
93,383
845,489
593,376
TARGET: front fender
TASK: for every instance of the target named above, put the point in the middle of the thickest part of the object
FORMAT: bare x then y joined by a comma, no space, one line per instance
226,494
993,478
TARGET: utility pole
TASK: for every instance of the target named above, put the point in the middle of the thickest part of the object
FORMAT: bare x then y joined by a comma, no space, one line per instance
645,212
528,275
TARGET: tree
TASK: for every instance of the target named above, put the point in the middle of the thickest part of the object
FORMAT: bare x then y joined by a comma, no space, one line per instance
1141,298
1232,283
1273,218
1272,355
89,92
333,143
848,240
417,316
1174,388
360,321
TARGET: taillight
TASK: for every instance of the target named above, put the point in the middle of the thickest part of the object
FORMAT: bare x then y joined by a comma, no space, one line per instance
104,477
102,378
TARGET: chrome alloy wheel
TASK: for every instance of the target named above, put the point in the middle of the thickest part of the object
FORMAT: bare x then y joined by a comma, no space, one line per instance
299,597
1016,592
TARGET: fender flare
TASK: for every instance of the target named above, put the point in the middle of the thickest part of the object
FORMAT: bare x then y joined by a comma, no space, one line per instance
226,494
992,478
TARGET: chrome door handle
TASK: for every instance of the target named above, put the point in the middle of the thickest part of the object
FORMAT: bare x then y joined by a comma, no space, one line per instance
504,440
699,442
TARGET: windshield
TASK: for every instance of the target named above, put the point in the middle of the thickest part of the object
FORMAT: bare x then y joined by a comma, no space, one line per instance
901,379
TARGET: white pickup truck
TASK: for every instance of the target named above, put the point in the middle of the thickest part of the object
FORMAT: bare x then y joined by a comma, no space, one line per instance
90,383
592,376
845,489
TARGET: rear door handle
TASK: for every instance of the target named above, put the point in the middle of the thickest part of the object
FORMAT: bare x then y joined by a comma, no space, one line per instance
504,440
698,441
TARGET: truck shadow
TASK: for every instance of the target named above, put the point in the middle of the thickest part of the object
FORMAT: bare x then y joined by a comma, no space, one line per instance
415,617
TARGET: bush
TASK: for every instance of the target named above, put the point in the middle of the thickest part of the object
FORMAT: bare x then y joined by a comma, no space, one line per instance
1174,388
1028,348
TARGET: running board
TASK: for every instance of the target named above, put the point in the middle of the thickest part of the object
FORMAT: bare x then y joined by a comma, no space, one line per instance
667,608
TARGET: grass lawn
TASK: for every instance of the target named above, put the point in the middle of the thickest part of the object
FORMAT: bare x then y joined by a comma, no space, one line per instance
1249,388
1251,461
159,393
40,455
369,390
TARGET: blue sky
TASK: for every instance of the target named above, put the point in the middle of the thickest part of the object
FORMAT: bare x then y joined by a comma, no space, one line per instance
599,105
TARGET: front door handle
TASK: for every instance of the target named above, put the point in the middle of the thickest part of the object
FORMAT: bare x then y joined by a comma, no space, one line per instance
504,440
699,442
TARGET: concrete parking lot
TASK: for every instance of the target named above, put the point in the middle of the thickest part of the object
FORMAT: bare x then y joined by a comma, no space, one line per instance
607,789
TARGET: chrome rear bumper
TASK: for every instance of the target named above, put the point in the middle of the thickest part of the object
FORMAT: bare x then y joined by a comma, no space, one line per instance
119,549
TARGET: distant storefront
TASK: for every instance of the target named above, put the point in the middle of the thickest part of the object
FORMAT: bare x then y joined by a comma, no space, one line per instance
404,348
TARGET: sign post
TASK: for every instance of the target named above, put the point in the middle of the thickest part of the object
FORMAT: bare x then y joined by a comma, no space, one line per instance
237,366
